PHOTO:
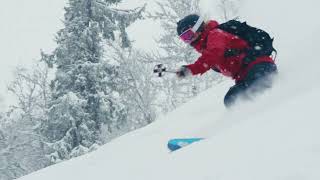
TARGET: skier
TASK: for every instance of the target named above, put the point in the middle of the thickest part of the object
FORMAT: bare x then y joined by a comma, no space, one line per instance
225,53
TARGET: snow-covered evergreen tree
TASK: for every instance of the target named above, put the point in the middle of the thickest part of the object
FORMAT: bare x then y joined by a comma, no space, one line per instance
85,96
22,150
22,146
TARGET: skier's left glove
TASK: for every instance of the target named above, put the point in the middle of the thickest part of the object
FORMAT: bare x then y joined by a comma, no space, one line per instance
183,72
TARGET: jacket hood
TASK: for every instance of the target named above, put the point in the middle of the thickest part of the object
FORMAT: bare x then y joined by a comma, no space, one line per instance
209,26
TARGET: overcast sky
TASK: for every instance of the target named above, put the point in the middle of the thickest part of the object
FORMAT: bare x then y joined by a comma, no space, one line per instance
26,27
30,25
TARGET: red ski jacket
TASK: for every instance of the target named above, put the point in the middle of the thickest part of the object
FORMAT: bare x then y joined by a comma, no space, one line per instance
212,45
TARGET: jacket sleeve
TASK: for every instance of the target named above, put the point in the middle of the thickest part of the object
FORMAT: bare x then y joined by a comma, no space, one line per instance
212,55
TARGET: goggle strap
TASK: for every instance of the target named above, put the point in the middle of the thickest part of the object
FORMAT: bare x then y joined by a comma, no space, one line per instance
198,24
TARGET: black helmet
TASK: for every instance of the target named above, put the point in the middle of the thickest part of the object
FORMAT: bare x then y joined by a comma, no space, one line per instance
188,22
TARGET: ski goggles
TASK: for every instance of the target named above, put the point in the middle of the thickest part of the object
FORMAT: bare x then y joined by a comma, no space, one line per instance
188,35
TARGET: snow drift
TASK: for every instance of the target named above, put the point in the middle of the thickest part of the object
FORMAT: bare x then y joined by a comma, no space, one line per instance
277,137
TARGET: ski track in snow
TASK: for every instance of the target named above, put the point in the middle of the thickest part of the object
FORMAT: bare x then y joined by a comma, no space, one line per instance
275,138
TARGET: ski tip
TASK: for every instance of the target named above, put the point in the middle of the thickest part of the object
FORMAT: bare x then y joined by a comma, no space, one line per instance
175,144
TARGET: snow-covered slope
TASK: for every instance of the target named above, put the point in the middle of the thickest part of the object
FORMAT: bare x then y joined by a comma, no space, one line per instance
275,138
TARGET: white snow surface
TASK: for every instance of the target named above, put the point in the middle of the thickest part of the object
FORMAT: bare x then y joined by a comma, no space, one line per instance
275,138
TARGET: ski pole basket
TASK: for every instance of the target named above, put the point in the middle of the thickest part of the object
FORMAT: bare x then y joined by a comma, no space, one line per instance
159,69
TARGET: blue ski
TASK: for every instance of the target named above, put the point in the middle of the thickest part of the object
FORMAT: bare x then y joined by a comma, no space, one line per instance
175,144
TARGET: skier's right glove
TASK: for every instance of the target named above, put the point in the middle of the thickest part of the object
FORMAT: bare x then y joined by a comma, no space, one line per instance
183,72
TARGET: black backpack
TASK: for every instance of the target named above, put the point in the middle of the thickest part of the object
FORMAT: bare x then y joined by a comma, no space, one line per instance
259,41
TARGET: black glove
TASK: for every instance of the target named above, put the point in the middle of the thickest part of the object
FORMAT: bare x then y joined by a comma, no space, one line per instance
183,72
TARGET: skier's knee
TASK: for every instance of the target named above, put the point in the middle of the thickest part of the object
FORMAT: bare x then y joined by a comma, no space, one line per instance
229,100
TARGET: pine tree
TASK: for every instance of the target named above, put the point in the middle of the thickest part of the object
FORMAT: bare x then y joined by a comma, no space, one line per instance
85,96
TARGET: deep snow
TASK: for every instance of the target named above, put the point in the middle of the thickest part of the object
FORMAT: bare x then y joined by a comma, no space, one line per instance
277,137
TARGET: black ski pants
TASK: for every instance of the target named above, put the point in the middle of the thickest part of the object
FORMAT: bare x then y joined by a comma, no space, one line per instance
259,78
